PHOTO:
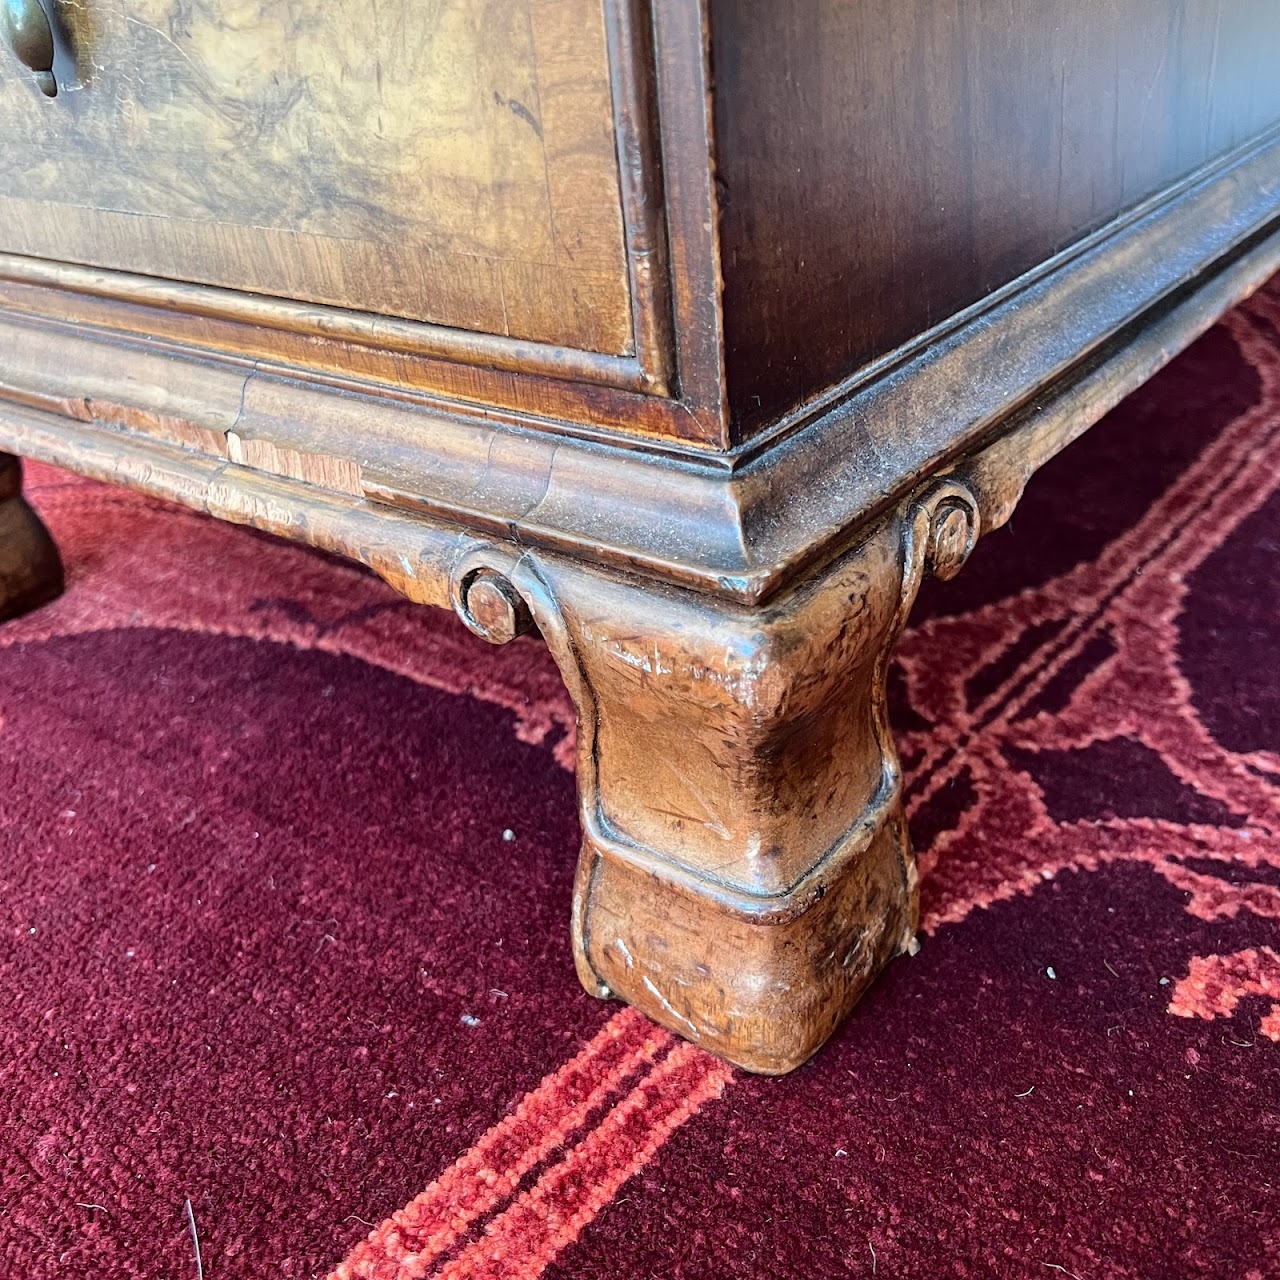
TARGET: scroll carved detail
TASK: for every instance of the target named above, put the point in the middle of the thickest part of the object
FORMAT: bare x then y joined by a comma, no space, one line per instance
492,608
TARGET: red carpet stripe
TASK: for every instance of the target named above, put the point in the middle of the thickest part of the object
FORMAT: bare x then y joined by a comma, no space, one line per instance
410,1241
523,1240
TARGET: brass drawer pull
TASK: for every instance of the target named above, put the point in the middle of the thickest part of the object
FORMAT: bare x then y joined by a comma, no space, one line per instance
26,31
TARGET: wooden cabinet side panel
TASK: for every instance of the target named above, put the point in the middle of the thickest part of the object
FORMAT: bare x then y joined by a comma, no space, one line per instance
886,163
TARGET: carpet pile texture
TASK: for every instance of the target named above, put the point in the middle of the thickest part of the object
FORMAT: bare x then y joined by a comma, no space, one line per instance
285,870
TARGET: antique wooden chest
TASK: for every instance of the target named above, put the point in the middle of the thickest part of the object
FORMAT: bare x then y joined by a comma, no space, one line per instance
692,333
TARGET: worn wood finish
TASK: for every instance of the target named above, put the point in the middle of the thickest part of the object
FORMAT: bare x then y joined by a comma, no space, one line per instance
883,165
745,868
30,567
936,273
744,847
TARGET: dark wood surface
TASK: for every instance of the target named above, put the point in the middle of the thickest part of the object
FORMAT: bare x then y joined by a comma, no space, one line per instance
883,165
745,869
741,527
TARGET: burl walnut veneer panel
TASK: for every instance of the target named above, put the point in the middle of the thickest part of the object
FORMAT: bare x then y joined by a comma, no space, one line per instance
451,161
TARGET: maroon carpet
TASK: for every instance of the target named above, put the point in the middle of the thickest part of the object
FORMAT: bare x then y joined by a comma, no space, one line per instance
267,948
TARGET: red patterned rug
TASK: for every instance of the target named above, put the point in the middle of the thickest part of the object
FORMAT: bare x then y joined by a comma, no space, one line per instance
285,867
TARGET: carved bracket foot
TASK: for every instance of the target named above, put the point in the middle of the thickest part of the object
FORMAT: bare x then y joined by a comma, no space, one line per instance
30,567
745,869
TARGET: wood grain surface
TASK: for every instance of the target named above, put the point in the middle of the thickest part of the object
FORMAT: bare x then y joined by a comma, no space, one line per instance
883,165
745,868
451,161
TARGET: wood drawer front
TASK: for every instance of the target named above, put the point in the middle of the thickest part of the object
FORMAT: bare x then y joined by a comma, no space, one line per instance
447,161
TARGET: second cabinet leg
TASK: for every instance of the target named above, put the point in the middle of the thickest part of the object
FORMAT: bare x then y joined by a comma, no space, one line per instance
30,567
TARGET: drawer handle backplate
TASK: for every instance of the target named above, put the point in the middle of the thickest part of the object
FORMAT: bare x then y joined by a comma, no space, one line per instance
26,31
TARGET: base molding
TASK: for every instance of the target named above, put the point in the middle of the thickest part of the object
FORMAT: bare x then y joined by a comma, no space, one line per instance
743,524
